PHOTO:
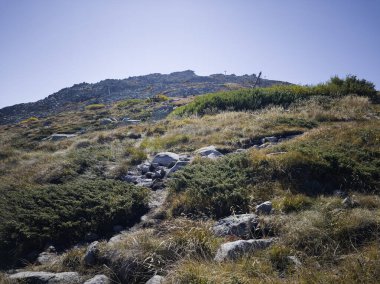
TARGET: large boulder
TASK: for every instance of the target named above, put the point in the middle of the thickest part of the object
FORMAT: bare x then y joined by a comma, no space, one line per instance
156,279
241,225
209,152
40,277
98,279
166,159
233,250
91,254
48,256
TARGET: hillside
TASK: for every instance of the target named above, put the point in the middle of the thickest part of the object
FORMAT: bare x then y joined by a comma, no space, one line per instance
266,185
184,84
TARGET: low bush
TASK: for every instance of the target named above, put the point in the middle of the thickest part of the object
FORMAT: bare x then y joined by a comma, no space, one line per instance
63,214
95,106
282,95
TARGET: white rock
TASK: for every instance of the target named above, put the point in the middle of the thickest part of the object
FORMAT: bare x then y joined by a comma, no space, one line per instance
239,225
47,277
166,159
98,279
156,279
209,152
233,250
264,208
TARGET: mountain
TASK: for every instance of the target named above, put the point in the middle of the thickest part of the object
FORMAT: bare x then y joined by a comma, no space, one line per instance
185,83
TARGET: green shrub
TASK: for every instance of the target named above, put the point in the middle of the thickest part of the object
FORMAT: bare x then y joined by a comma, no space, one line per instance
128,103
95,106
281,95
63,214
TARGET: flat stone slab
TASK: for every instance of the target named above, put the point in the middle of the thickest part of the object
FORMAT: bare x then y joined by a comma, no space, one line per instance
238,225
40,277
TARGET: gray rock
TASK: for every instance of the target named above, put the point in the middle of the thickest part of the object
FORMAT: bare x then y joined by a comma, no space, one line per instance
106,121
131,178
144,168
57,137
276,153
156,279
271,139
98,279
130,121
179,165
265,145
264,208
40,277
133,135
166,159
233,250
293,259
46,257
239,225
349,202
91,254
209,151
146,182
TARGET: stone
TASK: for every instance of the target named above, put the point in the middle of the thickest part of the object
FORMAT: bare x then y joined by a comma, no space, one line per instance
40,277
209,151
271,139
98,279
131,178
46,257
179,165
166,159
233,250
349,202
146,182
293,259
144,168
91,254
130,121
276,153
264,208
57,137
242,225
106,121
156,279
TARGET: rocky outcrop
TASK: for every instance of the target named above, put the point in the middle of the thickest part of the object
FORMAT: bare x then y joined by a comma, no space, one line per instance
40,277
233,250
48,256
242,226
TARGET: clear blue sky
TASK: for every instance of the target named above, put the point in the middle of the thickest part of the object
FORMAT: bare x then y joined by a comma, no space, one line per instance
46,45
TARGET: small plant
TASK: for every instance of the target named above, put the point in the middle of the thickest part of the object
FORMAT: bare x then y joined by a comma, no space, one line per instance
95,106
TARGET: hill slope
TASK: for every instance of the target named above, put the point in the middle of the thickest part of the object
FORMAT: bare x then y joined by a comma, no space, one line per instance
184,83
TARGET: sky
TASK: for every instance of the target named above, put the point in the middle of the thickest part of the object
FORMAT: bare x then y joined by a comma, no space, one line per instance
47,45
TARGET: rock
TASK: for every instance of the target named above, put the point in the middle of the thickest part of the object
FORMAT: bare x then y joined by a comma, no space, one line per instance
209,151
106,121
40,277
57,137
264,208
156,279
213,156
131,178
265,145
46,257
149,175
340,193
98,279
233,250
130,121
117,228
158,184
144,168
91,254
349,202
271,139
184,157
179,165
293,259
90,237
166,159
146,182
240,150
239,225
